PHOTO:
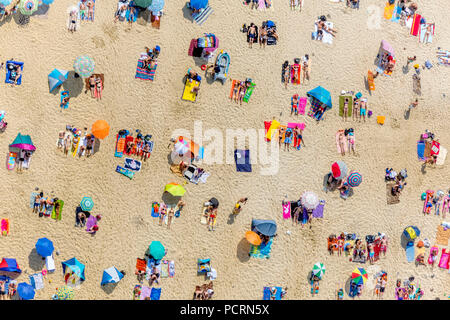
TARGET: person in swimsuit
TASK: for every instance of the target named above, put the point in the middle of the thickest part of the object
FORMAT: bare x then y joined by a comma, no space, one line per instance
280,136
351,142
82,10
154,276
122,8
263,37
286,73
340,246
299,134
306,68
99,86
162,213
15,75
73,20
170,217
346,101
61,140
371,252
92,84
238,206
294,104
146,152
242,89
251,34
90,143
363,110
90,5
66,144
287,139
355,108
211,219
37,202
340,294
295,72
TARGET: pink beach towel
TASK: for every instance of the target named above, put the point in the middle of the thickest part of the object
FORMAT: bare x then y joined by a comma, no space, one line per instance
302,105
444,262
145,292
292,125
286,210
261,4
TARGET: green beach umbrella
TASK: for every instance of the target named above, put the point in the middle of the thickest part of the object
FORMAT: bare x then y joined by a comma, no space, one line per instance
84,66
143,3
157,250
318,270
28,7
87,204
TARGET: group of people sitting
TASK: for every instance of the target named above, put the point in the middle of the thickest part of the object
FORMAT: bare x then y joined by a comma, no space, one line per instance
240,89
409,291
408,7
387,63
267,34
8,287
4,12
141,146
81,219
152,57
289,135
204,292
399,178
341,184
43,204
351,245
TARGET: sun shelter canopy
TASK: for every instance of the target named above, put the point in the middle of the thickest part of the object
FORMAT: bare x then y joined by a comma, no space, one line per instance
386,47
9,265
265,227
111,275
321,95
411,232
75,266
23,142
198,4
56,78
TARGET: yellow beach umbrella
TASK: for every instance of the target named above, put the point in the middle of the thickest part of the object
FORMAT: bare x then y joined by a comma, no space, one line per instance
174,189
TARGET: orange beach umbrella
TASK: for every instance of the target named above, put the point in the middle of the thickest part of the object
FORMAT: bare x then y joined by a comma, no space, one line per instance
253,238
100,129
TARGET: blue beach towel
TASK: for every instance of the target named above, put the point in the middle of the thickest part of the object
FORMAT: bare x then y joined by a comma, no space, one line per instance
261,251
266,293
155,294
136,13
242,159
396,14
145,73
9,76
410,252
421,150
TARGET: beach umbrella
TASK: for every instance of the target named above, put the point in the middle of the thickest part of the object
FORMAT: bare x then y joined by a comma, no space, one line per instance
87,204
309,200
25,291
75,266
47,2
174,189
57,78
84,66
5,2
156,250
23,142
322,95
9,265
142,3
44,247
189,145
318,270
65,293
198,4
339,170
100,129
156,6
411,232
265,227
253,238
214,202
354,179
28,7
111,275
359,276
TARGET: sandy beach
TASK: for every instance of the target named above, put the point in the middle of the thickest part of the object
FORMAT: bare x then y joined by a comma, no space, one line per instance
127,228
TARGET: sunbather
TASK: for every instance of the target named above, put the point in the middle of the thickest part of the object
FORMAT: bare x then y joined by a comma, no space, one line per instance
198,293
298,133
15,74
251,34
295,72
280,136
351,141
37,202
154,277
363,110
90,5
170,216
92,84
98,87
83,10
11,289
242,89
66,144
208,292
286,73
287,139
162,213
262,37
321,24
146,152
341,139
306,68
212,219
346,101
122,8
73,16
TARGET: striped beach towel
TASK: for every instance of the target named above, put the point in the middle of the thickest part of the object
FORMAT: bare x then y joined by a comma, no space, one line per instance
202,16
144,73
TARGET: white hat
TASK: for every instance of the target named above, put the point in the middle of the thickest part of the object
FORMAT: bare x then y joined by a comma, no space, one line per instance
343,92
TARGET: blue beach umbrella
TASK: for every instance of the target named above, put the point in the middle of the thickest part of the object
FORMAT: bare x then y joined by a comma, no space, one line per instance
198,4
156,6
25,291
5,2
111,275
322,95
75,266
87,204
47,2
57,78
44,247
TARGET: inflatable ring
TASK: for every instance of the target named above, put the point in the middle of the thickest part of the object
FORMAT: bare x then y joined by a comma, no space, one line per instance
203,67
44,272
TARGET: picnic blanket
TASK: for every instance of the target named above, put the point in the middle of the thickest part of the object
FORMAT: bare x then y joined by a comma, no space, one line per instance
145,73
261,251
391,199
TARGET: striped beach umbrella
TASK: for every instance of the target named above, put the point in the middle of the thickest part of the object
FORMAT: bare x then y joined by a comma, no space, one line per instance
87,204
28,7
84,66
318,270
354,179
65,293
359,276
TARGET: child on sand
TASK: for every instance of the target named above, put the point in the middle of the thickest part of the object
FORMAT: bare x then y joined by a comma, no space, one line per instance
238,206
294,104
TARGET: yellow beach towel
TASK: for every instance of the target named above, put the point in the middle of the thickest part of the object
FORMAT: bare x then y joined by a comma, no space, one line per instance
187,93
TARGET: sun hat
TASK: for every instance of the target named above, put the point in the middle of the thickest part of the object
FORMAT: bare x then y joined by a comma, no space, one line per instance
420,244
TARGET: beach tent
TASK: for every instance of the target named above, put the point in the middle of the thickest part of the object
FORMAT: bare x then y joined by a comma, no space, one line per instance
23,142
73,272
25,291
57,78
321,95
411,232
198,4
265,227
44,247
9,265
111,275
156,250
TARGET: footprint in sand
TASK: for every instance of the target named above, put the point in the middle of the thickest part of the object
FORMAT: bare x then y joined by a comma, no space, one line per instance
111,31
98,41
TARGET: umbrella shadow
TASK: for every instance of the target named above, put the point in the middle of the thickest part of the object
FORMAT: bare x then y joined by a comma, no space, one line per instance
42,10
21,20
407,114
403,241
187,13
243,249
73,85
169,199
109,287
12,275
35,261
348,286
144,17
96,147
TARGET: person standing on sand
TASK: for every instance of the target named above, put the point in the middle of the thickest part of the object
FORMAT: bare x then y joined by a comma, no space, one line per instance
238,206
170,217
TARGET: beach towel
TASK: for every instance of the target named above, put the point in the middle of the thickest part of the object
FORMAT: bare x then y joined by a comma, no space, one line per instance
267,294
396,14
37,281
442,236
341,105
391,199
419,251
74,151
327,37
155,294
370,80
54,215
64,94
85,17
436,251
293,125
192,46
421,150
188,95
165,268
145,73
410,251
248,92
338,145
4,225
145,293
204,217
233,84
120,145
9,77
32,198
127,173
242,160
388,11
441,156
155,209
293,73
261,251
286,210
272,129
127,140
302,105
423,32
12,157
445,259
318,211
267,125
133,165
201,17
91,221
171,269
415,27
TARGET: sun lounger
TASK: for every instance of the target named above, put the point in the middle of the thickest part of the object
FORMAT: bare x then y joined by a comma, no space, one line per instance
242,160
188,95
445,259
50,263
9,78
341,105
201,17
267,294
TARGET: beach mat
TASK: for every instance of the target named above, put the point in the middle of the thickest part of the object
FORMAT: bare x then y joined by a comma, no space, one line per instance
286,210
201,17
248,92
388,11
274,125
441,156
266,293
127,173
53,214
4,225
396,14
442,236
261,251
302,105
145,293
318,211
341,105
155,294
370,80
188,95
421,150
415,27
292,125
391,199
423,31
410,253
171,269
444,262
327,37
145,73
242,160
